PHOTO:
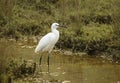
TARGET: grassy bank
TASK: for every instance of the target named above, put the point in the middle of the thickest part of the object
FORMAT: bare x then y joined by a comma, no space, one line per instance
93,26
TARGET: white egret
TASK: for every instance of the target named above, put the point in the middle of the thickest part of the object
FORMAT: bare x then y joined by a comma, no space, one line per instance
48,41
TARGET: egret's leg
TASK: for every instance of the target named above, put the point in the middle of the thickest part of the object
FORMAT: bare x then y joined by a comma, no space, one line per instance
48,62
40,60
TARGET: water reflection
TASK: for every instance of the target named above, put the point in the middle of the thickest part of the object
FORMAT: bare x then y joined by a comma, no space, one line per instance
73,69
69,69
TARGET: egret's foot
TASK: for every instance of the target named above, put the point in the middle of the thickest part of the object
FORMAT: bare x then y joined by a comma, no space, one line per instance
48,72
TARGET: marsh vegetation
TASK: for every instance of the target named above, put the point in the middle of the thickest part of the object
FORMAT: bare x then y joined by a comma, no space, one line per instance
93,29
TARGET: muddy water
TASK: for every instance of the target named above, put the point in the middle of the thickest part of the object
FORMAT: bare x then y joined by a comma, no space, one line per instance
74,69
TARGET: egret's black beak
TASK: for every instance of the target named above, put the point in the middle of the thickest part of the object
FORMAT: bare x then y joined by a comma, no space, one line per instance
62,26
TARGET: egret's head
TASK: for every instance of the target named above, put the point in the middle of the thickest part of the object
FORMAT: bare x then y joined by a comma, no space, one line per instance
54,25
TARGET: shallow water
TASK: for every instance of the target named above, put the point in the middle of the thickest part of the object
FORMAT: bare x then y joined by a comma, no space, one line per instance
68,68
75,69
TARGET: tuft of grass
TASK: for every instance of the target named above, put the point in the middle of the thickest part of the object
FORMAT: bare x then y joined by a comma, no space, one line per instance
7,52
12,66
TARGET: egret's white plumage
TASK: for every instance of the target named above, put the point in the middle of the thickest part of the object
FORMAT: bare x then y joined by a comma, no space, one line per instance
48,41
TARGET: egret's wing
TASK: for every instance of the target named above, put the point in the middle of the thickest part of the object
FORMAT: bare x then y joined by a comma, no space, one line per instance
44,42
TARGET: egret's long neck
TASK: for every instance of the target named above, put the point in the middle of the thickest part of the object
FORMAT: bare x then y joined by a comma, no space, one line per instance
55,31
